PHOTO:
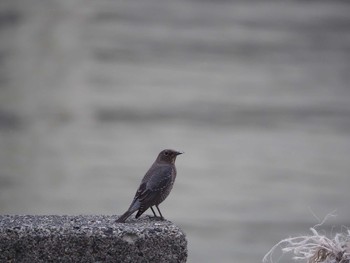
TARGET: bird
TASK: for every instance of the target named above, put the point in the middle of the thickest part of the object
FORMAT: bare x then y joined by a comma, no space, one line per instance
155,185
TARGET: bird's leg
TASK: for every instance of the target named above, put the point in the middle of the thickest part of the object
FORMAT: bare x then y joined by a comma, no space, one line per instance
153,212
161,216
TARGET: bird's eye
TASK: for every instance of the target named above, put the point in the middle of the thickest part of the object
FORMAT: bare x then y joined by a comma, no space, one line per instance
166,153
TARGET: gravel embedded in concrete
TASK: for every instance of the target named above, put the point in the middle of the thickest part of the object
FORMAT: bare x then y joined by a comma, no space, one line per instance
93,238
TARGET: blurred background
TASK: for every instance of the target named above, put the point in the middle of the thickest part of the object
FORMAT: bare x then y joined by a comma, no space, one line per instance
256,93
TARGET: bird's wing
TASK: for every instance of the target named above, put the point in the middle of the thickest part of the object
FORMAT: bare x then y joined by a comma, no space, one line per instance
160,179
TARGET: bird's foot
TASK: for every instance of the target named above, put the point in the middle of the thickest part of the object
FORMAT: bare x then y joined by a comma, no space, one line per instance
158,218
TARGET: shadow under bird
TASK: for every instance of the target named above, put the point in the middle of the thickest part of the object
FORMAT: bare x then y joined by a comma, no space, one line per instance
155,185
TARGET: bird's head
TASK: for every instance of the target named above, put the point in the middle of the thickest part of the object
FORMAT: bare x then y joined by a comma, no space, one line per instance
168,156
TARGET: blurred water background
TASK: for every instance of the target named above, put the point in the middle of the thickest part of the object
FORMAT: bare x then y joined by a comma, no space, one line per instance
257,94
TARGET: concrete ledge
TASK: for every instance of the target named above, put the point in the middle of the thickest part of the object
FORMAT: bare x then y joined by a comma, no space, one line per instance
89,239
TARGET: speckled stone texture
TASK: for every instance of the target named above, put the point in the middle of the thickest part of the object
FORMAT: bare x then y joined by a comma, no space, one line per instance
89,239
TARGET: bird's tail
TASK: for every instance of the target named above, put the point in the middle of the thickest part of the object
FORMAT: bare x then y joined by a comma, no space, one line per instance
124,216
135,205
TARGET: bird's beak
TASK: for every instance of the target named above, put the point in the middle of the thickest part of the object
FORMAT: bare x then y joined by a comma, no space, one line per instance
178,153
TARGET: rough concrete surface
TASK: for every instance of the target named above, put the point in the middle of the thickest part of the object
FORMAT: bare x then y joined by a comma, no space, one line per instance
53,238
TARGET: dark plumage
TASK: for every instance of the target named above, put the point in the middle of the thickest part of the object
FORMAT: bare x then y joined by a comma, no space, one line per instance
155,185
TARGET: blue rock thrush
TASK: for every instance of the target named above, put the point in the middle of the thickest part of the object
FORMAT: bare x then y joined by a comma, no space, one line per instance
155,185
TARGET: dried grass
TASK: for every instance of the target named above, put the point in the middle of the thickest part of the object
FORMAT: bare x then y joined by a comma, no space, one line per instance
315,247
